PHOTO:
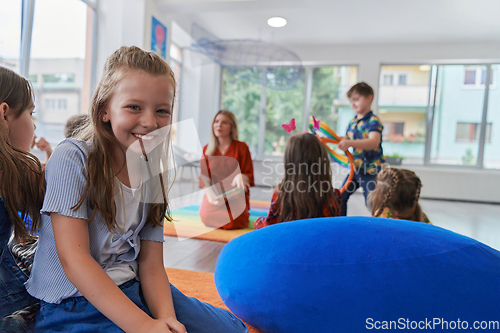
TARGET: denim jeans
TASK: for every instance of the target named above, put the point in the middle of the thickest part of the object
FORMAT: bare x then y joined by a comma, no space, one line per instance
76,314
13,295
366,181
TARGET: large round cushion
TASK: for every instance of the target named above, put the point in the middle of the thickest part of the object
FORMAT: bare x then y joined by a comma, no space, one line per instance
350,274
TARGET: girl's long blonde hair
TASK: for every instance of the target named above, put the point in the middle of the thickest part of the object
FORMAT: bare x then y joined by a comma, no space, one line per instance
213,144
303,153
22,183
100,187
398,190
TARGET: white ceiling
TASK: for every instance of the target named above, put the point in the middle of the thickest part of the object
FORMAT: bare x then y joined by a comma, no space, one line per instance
344,21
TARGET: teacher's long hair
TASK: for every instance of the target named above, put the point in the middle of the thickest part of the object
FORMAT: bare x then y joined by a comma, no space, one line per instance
214,142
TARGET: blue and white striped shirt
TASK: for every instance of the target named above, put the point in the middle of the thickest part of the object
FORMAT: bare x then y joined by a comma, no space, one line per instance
66,176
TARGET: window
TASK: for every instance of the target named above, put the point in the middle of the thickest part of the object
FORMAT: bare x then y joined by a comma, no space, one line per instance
388,79
59,78
63,69
55,104
175,53
402,80
10,33
457,117
242,97
476,77
393,128
469,132
470,76
329,101
394,79
282,106
402,109
58,81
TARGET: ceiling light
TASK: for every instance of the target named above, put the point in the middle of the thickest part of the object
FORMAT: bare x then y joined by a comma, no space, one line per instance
276,22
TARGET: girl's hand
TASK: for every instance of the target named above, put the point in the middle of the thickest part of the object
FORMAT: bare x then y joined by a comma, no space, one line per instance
241,181
211,200
344,144
168,325
214,202
174,325
43,145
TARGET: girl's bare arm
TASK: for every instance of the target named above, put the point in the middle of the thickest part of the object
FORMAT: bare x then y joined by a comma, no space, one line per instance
155,285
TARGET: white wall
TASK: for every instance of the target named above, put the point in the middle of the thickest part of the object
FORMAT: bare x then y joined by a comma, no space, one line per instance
119,23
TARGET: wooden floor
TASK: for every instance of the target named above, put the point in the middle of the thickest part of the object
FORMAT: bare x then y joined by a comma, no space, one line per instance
478,221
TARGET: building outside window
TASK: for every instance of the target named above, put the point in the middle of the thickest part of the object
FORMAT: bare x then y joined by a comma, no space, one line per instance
475,76
455,105
402,108
390,78
450,98
60,72
56,104
469,132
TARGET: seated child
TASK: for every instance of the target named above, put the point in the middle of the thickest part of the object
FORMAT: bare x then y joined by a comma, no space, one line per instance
396,196
21,196
306,191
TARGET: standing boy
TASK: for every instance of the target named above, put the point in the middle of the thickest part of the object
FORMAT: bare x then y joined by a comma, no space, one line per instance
364,135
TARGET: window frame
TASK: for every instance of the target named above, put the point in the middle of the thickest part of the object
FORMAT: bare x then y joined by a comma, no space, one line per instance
27,18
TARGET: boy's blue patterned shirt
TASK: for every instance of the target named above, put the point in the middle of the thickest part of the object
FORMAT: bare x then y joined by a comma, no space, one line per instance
366,161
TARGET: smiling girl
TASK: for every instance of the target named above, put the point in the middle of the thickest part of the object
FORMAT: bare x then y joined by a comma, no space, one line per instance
99,265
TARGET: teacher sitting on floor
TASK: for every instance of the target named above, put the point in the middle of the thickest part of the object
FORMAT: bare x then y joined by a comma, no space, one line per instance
226,175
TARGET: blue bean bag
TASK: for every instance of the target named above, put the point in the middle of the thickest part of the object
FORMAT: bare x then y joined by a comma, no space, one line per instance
353,274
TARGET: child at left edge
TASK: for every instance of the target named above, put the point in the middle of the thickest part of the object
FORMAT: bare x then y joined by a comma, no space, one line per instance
364,135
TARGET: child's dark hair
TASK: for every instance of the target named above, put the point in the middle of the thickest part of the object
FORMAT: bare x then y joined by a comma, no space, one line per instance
398,190
22,186
362,89
302,153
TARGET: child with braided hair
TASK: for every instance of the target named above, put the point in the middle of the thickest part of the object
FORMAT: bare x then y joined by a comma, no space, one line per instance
396,196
